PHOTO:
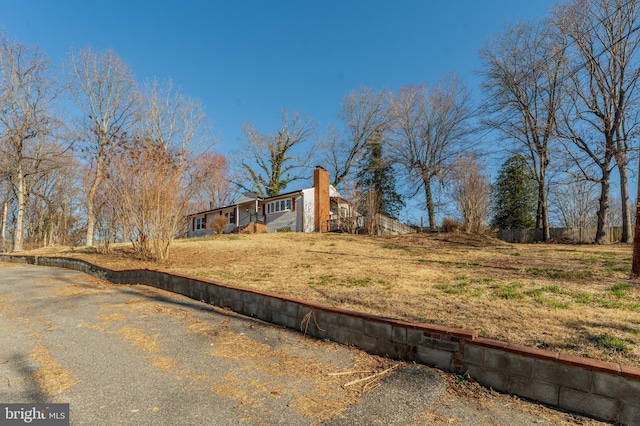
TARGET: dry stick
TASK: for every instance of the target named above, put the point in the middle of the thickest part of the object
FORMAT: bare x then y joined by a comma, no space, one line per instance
344,373
373,376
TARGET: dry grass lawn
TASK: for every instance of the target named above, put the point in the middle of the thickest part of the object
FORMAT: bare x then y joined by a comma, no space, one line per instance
576,299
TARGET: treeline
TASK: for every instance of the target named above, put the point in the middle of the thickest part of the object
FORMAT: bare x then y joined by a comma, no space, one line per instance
559,103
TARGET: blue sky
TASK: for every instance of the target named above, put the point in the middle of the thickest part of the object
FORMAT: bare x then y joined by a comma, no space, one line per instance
246,60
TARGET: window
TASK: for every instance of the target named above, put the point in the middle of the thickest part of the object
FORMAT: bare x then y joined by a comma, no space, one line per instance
231,216
279,206
199,224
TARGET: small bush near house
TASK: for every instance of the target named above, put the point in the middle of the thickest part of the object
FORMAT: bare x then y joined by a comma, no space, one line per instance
450,225
284,229
219,224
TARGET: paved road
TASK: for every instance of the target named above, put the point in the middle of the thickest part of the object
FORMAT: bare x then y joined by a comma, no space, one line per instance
133,355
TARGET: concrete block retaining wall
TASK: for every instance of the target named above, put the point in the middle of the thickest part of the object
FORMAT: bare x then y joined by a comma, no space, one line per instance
599,389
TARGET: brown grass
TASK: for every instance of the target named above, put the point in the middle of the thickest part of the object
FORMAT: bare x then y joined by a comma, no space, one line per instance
576,299
50,376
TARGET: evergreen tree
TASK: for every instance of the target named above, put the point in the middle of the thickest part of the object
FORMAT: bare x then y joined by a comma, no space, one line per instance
377,181
515,195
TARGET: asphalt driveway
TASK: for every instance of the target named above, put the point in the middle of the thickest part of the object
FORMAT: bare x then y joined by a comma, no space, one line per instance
134,355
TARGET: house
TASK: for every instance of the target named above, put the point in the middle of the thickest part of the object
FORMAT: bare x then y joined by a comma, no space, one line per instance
317,209
307,210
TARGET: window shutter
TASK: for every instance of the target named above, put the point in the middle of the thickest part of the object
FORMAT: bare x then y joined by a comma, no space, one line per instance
293,204
204,222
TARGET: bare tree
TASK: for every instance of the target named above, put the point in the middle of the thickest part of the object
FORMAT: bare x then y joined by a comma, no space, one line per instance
573,203
148,193
211,177
431,128
171,119
271,162
600,111
471,191
27,122
102,87
523,72
364,113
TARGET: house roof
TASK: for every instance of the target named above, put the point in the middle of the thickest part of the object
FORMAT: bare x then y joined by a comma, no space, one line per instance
252,196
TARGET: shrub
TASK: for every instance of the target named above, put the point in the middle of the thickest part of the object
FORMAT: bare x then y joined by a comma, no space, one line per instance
450,225
284,229
219,224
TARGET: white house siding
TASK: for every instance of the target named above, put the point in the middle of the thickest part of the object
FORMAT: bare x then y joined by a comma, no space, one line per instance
283,219
276,221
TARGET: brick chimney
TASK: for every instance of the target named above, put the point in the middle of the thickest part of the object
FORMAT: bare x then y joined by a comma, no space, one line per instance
321,200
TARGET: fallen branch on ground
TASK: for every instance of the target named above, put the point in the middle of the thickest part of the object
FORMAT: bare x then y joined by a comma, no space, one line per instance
372,377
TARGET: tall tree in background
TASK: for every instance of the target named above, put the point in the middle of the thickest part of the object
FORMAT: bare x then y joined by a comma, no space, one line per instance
471,191
170,119
271,162
377,182
102,87
523,72
211,176
364,113
575,203
27,123
514,195
600,111
431,128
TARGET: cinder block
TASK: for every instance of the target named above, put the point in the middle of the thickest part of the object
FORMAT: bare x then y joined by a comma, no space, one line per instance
290,322
339,335
380,330
326,320
414,336
597,406
475,354
616,386
399,334
489,378
366,343
236,305
563,375
279,318
629,414
435,357
275,305
252,299
290,308
538,391
510,363
311,328
352,324
445,345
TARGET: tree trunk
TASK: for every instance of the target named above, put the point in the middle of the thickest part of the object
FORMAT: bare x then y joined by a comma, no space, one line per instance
429,203
603,209
542,215
18,234
626,208
544,211
91,196
5,208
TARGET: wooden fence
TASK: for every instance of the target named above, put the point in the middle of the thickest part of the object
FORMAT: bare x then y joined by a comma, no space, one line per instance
362,224
574,235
